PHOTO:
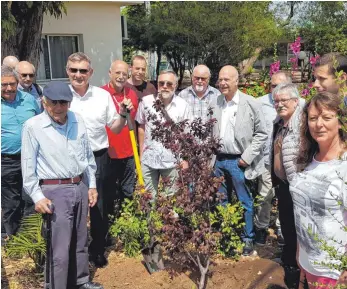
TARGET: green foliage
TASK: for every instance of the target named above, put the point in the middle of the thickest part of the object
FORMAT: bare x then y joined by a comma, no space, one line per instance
132,226
28,241
229,221
255,90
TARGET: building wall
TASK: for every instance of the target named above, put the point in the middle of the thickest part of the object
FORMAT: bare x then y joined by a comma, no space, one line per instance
99,25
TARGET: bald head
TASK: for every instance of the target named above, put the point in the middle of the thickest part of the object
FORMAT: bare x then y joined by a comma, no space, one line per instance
10,61
279,77
228,81
200,79
26,73
118,74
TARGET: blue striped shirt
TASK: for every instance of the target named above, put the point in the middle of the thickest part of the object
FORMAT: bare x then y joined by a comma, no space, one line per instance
52,151
13,116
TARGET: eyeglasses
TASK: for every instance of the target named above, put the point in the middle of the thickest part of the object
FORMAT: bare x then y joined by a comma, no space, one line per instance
75,70
283,101
61,102
168,84
25,75
198,78
12,84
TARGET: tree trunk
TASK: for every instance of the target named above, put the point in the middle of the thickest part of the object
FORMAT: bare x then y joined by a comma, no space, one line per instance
159,61
203,272
25,43
246,64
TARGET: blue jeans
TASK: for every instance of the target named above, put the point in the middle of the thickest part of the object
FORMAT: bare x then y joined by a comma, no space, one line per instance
235,176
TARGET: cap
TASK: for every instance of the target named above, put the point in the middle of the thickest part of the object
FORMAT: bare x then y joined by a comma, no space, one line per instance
57,90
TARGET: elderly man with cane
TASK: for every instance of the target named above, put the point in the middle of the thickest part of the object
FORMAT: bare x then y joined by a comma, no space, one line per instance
59,167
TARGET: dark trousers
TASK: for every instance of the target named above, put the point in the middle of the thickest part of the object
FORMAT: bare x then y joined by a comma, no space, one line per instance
99,214
120,183
235,176
286,216
11,194
69,234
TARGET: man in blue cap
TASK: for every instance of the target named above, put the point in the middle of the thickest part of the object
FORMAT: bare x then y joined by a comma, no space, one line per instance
59,167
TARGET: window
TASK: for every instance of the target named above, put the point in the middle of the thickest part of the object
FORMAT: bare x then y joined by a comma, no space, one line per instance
55,50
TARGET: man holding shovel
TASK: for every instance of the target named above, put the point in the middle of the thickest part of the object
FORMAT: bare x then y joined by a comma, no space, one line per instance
59,167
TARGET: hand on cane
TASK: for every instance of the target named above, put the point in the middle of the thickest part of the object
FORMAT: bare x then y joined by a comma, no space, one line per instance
43,206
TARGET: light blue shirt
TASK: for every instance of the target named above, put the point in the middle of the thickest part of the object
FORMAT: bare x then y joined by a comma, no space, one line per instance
13,116
270,114
52,151
33,91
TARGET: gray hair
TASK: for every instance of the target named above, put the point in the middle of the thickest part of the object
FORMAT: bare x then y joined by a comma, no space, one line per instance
288,88
168,71
8,71
17,66
78,57
208,70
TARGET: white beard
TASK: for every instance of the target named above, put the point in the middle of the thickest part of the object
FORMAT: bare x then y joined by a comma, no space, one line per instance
166,95
199,88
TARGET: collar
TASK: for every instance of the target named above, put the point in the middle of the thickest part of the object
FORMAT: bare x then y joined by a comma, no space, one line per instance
235,99
89,90
47,121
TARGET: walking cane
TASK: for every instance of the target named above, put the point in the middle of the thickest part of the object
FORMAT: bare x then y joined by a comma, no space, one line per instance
49,280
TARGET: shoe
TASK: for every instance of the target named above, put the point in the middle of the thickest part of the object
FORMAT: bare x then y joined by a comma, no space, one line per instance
248,248
89,285
260,237
291,276
99,260
280,239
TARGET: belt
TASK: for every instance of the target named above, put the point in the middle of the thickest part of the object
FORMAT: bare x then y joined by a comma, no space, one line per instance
222,156
14,157
74,180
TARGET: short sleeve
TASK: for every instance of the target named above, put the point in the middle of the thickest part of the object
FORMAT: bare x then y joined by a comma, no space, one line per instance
140,115
111,112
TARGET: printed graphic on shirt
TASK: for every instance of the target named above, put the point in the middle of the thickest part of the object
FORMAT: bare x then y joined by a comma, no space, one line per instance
310,212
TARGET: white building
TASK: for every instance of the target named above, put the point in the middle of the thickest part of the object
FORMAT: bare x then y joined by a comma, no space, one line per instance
91,27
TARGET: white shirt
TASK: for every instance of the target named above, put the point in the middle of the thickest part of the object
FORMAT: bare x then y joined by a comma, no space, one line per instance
320,201
228,119
154,154
98,110
52,151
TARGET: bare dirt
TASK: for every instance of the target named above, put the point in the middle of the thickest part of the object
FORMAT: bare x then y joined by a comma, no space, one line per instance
257,271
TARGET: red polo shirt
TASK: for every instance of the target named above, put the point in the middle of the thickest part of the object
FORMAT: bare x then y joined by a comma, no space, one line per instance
120,144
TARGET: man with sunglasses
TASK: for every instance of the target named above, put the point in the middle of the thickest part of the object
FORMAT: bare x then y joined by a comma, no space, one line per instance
156,160
200,94
16,107
96,107
26,76
59,168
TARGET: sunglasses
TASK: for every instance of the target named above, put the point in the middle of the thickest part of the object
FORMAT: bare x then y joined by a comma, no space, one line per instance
12,84
198,78
75,70
61,102
25,75
168,84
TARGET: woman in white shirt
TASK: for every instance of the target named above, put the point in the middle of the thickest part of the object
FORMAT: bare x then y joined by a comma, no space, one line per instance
319,191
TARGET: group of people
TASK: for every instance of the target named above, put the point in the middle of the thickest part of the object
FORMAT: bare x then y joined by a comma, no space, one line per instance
69,145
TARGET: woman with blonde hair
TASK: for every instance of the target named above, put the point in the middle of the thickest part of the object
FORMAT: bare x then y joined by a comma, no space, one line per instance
319,191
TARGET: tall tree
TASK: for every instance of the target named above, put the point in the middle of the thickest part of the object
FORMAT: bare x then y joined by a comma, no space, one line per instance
21,27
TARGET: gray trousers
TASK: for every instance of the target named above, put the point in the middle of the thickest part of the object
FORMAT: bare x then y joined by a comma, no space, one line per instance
266,192
151,178
69,234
